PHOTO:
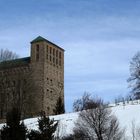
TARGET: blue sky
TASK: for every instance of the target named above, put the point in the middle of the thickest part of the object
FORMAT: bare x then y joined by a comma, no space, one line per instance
100,38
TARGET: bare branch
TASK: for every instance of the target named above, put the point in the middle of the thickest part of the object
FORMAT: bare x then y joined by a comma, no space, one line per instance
86,102
99,124
7,55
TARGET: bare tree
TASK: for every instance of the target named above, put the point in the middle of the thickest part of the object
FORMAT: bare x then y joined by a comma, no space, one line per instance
138,133
99,124
86,102
4,56
7,55
135,131
134,79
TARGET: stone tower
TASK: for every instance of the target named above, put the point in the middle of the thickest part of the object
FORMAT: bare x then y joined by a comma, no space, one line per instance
33,83
47,62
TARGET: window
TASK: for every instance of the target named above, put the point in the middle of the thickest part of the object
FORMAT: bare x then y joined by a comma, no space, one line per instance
25,81
53,60
53,52
51,81
47,52
37,52
56,61
60,55
47,48
47,80
50,50
37,48
13,94
59,62
56,53
48,108
24,91
50,58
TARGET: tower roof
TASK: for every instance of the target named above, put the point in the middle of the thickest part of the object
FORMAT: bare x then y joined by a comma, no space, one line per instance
40,38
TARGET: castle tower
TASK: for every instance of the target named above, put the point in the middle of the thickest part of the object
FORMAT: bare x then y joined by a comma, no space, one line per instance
47,62
33,83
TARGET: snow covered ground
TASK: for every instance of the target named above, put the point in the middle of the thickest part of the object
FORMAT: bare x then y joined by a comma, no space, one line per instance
126,114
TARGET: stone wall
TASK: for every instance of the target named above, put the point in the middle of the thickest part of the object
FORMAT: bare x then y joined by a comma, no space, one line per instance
13,88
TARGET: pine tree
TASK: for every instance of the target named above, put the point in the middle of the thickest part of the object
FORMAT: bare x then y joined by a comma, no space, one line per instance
47,127
14,129
59,108
33,135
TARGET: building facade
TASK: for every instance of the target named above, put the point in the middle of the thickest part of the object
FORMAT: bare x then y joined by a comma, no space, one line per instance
34,83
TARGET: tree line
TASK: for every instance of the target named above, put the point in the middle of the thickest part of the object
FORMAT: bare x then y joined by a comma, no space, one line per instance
15,128
95,121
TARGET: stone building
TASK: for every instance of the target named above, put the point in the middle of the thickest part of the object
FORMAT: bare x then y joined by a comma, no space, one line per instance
34,83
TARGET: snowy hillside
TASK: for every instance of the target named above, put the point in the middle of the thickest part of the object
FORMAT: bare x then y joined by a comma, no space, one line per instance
125,114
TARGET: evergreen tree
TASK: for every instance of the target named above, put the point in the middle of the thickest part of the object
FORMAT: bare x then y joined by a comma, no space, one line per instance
59,108
14,129
34,135
47,127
